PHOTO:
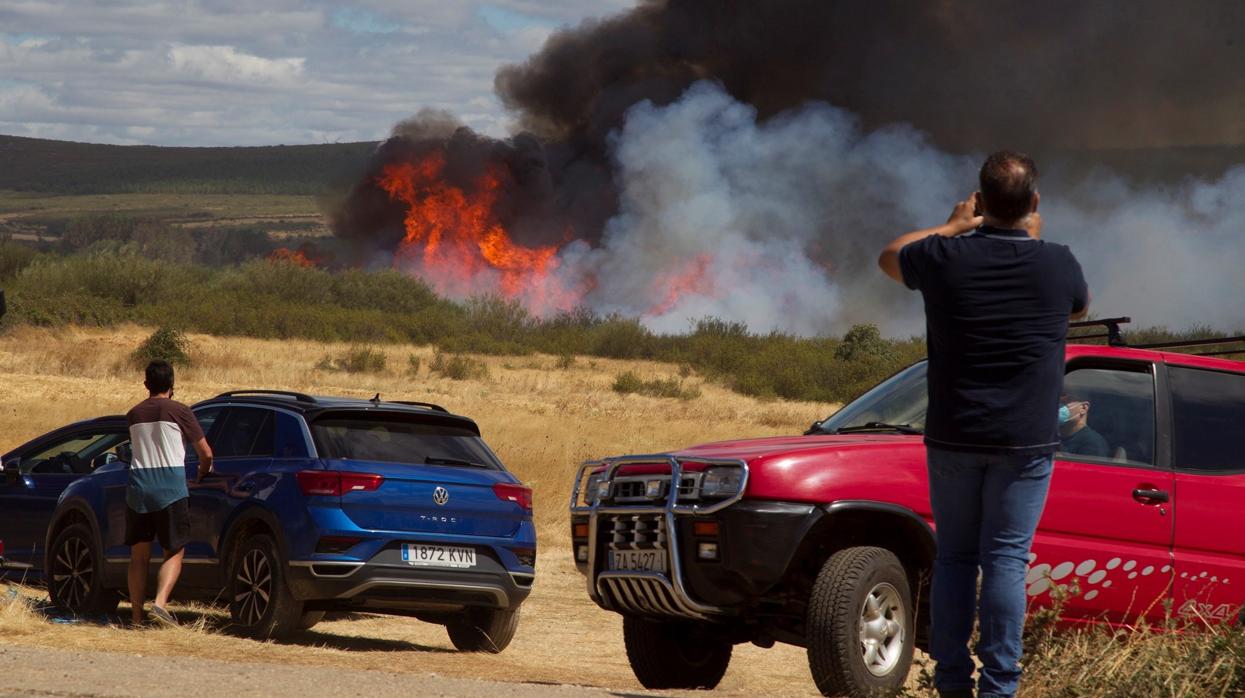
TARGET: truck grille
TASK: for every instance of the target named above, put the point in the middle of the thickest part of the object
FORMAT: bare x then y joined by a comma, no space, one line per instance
638,532
632,489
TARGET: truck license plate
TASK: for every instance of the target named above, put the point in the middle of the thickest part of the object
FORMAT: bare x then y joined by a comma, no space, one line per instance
437,555
638,560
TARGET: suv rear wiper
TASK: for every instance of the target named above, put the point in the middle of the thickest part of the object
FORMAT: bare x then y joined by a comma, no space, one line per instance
879,426
447,460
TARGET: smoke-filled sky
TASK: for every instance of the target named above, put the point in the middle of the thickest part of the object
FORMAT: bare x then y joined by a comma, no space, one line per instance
677,159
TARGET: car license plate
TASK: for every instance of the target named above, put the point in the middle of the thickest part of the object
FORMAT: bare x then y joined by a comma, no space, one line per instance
438,555
638,560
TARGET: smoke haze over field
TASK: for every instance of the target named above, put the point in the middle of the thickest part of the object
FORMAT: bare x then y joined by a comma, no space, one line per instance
747,160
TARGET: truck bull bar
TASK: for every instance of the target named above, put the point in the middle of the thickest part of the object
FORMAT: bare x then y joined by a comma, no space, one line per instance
649,593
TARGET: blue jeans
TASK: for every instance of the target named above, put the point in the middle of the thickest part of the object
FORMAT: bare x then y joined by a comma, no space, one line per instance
986,509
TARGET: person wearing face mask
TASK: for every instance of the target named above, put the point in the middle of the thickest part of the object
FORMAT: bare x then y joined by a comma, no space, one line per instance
1075,434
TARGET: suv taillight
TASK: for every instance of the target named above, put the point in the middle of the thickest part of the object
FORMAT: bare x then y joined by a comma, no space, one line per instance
518,494
334,483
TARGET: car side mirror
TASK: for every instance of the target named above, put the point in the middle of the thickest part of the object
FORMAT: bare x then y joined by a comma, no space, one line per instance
12,471
103,459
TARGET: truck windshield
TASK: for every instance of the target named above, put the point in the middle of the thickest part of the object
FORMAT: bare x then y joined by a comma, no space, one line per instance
896,404
373,437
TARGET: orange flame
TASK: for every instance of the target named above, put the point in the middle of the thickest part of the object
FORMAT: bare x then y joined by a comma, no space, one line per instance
692,278
455,238
284,255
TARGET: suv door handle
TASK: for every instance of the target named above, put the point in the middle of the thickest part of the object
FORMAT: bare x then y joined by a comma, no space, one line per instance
1150,496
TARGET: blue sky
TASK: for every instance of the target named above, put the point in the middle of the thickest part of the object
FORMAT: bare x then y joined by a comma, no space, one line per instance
228,72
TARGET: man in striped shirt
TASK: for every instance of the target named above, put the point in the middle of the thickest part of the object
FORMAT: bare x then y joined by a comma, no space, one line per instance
157,501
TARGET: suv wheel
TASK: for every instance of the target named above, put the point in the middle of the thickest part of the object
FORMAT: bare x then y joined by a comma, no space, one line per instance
677,654
74,573
309,619
859,624
260,601
483,629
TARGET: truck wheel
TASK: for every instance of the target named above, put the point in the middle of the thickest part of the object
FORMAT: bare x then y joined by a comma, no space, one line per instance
483,629
260,602
74,579
859,624
669,655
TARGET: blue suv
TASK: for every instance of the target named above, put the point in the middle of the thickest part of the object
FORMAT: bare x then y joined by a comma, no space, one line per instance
314,505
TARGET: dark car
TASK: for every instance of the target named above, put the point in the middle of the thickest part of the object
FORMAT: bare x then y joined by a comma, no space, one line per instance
314,504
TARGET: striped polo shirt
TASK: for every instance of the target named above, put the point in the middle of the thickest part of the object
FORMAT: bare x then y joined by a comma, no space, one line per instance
160,428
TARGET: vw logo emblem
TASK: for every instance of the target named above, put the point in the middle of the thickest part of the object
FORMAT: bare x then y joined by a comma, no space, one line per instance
440,496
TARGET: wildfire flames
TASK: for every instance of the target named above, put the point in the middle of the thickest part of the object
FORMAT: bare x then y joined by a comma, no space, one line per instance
455,242
284,255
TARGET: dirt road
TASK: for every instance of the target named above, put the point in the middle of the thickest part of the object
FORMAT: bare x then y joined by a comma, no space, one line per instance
31,671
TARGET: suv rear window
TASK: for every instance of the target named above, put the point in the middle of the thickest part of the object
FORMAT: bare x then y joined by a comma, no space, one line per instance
399,439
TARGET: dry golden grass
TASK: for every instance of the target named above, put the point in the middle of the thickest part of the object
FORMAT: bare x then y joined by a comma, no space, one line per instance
541,419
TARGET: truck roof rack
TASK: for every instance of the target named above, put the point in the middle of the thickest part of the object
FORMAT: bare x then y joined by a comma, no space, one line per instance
1201,343
1113,335
300,397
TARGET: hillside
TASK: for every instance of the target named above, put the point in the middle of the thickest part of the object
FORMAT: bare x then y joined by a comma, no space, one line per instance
64,167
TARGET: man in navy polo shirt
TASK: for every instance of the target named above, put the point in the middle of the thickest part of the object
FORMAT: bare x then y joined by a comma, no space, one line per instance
997,304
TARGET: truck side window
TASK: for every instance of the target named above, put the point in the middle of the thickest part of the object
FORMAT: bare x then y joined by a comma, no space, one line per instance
1112,413
1208,411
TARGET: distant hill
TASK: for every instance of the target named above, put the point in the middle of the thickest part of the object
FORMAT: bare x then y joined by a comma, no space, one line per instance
64,167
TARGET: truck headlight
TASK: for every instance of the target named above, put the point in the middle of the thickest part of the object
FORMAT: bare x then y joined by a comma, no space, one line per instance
597,488
721,482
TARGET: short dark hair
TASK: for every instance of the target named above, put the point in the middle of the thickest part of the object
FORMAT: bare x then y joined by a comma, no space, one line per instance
159,376
1008,183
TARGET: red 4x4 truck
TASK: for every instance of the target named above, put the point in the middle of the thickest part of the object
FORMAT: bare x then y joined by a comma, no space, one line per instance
825,540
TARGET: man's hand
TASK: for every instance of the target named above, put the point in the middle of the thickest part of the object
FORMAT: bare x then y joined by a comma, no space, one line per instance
964,217
205,458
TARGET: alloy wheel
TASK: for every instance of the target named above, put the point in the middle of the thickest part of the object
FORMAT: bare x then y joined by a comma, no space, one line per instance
73,572
253,587
882,631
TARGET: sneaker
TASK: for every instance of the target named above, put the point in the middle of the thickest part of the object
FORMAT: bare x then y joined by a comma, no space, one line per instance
163,617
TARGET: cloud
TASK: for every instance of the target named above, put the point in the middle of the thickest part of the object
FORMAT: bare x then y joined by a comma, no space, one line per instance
229,72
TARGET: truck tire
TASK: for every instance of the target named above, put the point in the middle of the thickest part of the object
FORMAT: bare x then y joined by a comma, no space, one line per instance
675,654
260,602
75,582
859,623
483,629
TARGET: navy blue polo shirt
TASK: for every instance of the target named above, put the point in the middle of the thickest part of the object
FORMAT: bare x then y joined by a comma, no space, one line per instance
997,304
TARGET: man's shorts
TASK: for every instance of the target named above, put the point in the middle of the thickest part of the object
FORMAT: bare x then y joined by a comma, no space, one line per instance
170,525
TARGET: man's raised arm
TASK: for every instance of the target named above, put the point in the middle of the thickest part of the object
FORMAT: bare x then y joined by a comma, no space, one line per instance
963,219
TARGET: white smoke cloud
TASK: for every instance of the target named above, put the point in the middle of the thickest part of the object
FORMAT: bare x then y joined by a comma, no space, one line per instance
707,192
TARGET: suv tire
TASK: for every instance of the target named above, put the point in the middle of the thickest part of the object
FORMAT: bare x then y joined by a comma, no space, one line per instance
483,629
258,570
309,619
74,567
674,655
859,624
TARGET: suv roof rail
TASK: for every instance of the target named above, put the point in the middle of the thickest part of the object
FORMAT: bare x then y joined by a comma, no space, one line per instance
415,403
301,397
1113,334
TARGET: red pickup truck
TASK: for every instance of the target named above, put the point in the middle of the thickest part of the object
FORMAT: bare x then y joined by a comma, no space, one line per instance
825,540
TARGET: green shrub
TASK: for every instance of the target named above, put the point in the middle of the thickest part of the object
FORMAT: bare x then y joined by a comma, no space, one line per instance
413,364
458,367
629,382
165,343
355,360
566,361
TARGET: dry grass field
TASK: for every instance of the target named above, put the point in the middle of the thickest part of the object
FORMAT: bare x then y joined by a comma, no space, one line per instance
542,418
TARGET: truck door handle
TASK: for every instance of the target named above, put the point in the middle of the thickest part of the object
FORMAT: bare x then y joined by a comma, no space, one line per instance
1150,496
